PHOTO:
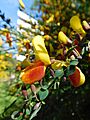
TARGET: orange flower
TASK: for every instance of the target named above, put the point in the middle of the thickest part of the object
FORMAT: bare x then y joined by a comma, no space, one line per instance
77,78
33,73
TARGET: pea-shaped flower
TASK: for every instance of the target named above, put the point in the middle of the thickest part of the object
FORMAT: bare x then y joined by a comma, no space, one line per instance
63,38
40,50
75,23
77,78
33,73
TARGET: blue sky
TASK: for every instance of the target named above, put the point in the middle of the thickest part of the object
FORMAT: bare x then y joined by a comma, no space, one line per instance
10,7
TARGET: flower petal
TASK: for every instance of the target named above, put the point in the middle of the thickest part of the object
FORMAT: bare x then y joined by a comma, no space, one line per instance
77,78
58,64
21,4
40,50
75,23
33,75
63,38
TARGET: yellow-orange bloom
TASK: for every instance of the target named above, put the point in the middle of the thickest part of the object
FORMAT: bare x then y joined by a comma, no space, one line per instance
33,73
77,78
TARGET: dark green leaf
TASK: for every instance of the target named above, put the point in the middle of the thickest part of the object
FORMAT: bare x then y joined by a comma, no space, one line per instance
43,94
70,50
70,70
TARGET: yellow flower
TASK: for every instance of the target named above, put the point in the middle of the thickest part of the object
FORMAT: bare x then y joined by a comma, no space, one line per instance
51,19
75,23
21,4
63,38
4,31
40,49
4,76
58,64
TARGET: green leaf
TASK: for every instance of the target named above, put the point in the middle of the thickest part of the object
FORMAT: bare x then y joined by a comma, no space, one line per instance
2,106
14,114
59,73
10,100
74,62
43,94
34,114
44,87
70,70
28,111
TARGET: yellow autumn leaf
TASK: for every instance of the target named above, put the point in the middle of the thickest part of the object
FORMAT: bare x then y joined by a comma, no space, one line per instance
75,23
40,49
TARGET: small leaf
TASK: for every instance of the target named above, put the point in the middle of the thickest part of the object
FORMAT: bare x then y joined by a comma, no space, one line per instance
74,62
35,113
28,111
43,94
14,114
59,73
